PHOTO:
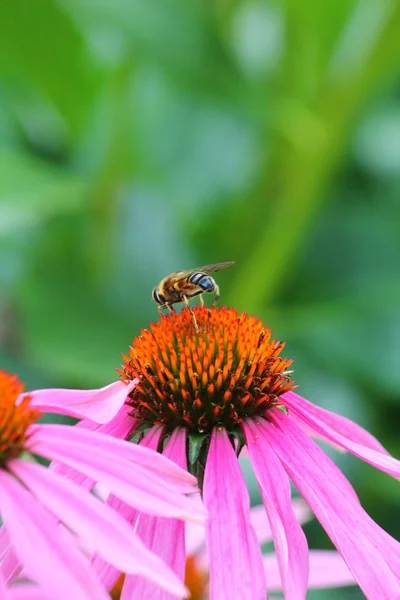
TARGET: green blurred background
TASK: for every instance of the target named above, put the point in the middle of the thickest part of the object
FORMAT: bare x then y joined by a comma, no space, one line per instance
138,138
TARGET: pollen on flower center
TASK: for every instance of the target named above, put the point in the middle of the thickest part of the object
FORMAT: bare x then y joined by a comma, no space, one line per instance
14,418
227,371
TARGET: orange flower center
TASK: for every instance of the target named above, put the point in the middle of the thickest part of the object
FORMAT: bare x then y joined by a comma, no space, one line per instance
228,370
195,580
14,419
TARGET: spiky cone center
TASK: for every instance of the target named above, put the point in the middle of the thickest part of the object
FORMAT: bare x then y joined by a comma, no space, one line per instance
15,419
228,370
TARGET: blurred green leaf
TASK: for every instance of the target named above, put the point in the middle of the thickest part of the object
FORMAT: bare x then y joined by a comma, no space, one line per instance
32,191
42,46
69,332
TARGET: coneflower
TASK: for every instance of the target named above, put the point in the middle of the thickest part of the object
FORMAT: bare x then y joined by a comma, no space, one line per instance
200,396
34,499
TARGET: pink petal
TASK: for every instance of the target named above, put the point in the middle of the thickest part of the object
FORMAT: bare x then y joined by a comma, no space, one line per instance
64,437
3,589
236,569
10,565
95,522
120,427
363,545
327,570
4,540
49,558
338,423
289,540
195,535
108,574
380,460
104,459
165,537
26,592
260,521
97,405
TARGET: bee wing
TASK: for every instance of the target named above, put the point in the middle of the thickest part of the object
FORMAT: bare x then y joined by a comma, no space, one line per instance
214,268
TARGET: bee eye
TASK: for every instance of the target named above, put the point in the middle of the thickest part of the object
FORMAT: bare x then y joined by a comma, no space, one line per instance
155,295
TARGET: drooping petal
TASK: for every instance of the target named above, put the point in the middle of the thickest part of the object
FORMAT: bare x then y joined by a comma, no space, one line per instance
99,405
119,427
260,522
75,437
105,461
10,566
3,589
236,569
338,423
195,535
376,458
364,546
289,540
96,523
49,558
108,574
4,541
163,536
26,592
327,570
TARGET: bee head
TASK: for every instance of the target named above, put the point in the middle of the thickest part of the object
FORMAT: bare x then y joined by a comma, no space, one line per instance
157,297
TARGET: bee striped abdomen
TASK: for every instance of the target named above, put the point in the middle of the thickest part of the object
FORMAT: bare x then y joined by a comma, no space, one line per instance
205,282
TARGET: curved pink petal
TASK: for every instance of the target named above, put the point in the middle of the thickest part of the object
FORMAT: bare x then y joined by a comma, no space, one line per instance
99,405
327,570
66,438
120,427
49,558
338,423
195,534
96,523
289,540
312,433
378,459
3,589
4,541
10,566
236,569
260,522
26,592
362,544
133,484
108,574
163,536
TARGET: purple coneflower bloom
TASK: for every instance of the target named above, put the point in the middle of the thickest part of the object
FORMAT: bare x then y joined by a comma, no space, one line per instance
33,499
201,396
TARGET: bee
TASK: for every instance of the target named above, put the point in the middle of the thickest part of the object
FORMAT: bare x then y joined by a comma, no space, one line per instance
182,285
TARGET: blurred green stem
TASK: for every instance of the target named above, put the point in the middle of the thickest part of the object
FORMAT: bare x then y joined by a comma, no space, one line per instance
307,169
113,171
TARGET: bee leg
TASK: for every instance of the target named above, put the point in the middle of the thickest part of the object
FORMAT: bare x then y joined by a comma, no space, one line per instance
201,300
216,290
186,301
167,307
